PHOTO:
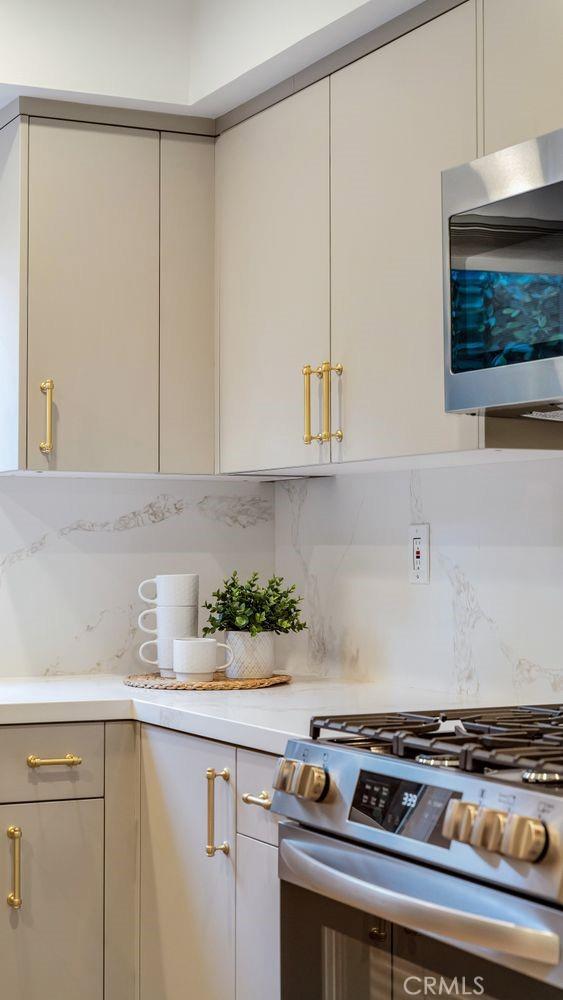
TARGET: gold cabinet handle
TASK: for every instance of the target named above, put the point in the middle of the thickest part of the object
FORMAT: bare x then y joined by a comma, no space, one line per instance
47,388
211,849
307,371
69,760
326,371
323,372
15,896
263,800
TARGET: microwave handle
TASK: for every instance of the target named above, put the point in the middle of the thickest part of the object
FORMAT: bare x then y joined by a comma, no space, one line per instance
417,914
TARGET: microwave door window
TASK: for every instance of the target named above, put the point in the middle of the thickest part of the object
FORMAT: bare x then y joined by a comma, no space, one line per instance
506,281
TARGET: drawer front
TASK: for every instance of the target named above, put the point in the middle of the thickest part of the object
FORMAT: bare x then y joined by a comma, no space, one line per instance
254,776
21,783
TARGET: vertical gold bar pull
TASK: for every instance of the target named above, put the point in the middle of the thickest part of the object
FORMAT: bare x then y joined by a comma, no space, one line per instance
307,371
326,370
47,388
211,848
307,403
15,897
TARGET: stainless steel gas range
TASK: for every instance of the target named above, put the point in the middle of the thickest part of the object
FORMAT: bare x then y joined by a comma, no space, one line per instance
422,855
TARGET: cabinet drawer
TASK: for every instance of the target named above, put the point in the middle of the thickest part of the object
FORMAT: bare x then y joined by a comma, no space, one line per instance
21,783
254,775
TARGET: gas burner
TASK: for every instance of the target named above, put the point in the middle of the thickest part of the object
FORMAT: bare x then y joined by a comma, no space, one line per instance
542,777
526,741
437,760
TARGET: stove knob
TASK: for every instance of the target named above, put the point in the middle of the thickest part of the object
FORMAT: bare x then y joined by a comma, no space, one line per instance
459,819
311,783
285,775
524,838
488,829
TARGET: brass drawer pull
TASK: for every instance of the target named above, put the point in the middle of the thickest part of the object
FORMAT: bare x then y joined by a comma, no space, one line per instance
15,896
69,760
47,387
211,849
263,800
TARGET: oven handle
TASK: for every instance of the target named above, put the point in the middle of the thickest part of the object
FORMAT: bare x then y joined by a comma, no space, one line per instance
420,914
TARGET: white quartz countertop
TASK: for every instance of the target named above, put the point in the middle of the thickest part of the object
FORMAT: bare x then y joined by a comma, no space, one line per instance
261,720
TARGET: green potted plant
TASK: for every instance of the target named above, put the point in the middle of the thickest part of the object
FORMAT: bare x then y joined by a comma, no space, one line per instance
251,615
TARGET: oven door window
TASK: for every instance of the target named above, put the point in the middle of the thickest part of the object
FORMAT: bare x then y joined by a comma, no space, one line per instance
334,952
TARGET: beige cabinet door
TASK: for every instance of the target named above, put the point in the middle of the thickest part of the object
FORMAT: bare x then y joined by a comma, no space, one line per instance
53,946
93,296
398,117
187,898
187,378
258,921
272,183
13,295
523,70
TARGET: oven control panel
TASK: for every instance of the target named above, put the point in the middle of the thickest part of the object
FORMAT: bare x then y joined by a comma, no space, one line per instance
402,807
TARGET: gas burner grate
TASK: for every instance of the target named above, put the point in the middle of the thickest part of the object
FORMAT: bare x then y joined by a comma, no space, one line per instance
527,738
374,724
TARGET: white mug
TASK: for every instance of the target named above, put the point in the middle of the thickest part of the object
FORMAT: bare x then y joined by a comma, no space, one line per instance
164,656
170,622
172,589
196,659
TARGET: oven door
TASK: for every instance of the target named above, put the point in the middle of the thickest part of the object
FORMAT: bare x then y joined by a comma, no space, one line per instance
360,925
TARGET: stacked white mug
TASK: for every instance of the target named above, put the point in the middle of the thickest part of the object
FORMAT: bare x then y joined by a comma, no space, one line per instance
175,611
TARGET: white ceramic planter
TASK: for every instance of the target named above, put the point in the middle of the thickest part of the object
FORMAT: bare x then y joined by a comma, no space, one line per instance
253,656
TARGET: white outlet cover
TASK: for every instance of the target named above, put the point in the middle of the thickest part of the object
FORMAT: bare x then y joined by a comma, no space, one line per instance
419,553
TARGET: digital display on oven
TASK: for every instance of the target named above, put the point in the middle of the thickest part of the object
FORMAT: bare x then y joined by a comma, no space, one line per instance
403,807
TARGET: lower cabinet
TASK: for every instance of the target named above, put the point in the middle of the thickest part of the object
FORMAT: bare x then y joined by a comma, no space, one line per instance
209,916
187,891
170,894
258,921
258,891
51,858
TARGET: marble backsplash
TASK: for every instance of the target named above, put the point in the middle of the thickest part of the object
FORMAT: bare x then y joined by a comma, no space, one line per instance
489,623
73,550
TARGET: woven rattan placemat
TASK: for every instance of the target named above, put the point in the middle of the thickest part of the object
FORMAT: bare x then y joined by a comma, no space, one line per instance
221,684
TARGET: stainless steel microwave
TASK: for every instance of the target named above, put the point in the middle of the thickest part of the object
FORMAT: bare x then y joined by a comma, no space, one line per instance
503,281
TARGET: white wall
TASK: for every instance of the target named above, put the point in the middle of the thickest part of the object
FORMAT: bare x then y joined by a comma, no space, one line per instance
188,56
240,48
119,50
72,552
490,621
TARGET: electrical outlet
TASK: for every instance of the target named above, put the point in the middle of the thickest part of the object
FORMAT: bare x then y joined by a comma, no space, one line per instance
419,553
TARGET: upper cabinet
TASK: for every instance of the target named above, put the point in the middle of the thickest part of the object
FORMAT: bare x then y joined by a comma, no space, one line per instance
322,216
272,181
398,118
187,348
93,296
523,70
13,295
106,253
